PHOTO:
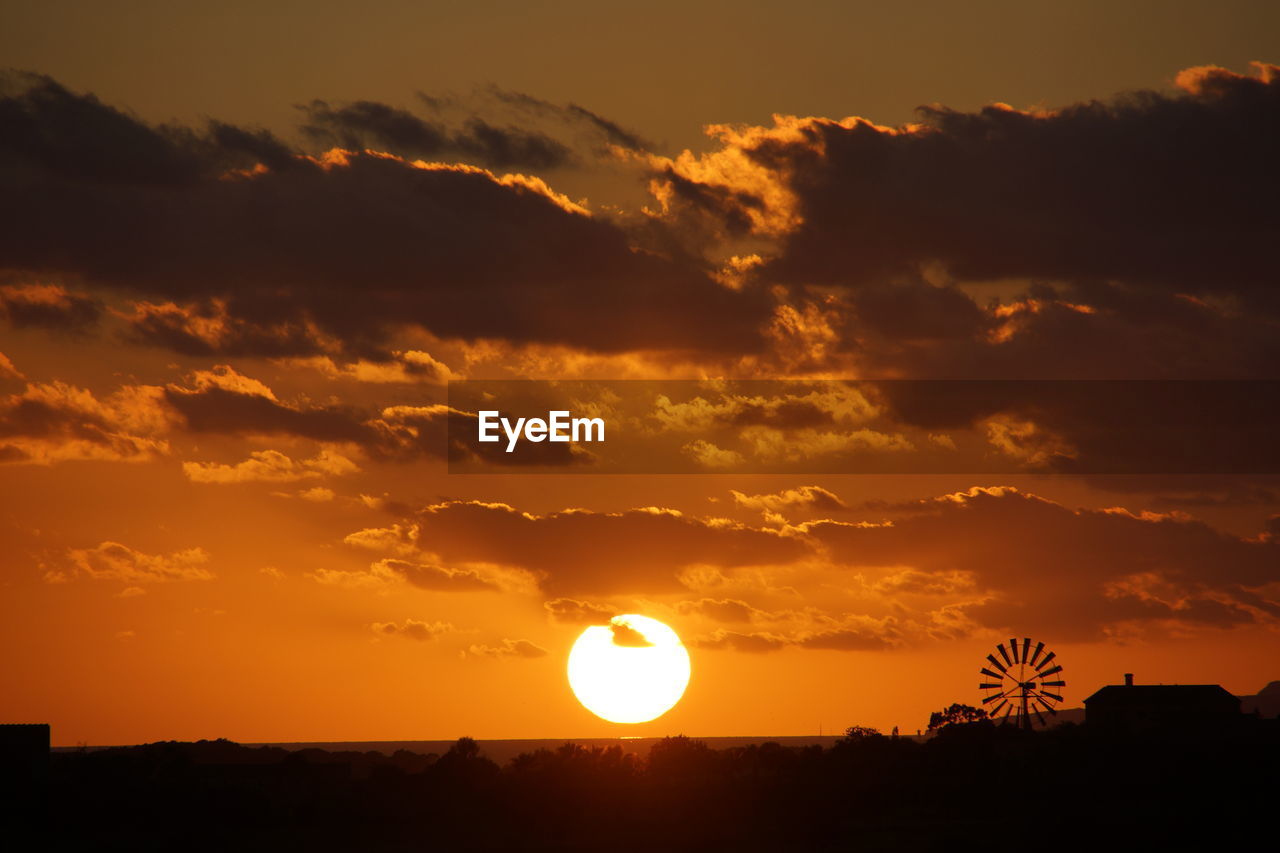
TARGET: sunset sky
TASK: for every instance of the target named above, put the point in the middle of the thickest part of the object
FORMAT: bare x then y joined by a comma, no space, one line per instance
243,252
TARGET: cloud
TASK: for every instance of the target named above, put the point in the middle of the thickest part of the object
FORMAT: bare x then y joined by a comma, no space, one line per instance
224,401
508,649
57,422
709,455
755,642
609,130
1137,227
48,129
412,629
570,611
999,192
407,366
270,466
209,328
802,497
348,248
113,561
1017,561
7,370
625,635
576,551
810,630
720,610
369,124
1102,427
382,575
49,306
317,494
437,578
407,432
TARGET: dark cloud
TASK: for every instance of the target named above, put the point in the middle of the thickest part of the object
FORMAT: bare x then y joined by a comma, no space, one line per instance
412,431
801,498
352,247
873,636
720,609
222,410
1140,228
206,329
1075,573
1189,492
509,649
1146,188
48,306
435,578
848,640
573,612
785,415
48,131
369,124
225,402
413,629
54,422
611,131
756,642
1105,427
578,551
625,635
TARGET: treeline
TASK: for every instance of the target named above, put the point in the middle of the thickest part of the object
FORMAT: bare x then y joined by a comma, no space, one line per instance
971,785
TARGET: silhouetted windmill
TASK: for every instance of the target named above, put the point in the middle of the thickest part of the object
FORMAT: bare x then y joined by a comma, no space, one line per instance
1023,681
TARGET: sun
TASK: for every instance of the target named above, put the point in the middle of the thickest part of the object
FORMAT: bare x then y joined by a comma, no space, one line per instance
632,670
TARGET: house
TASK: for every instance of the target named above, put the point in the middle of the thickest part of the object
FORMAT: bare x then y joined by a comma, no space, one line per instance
24,754
1161,708
1265,703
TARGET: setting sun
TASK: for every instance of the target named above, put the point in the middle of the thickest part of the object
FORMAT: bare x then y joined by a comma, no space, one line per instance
632,670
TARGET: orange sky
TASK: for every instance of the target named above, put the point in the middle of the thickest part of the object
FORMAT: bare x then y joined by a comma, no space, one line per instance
226,508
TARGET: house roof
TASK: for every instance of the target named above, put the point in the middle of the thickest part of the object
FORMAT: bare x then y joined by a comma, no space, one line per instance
1163,694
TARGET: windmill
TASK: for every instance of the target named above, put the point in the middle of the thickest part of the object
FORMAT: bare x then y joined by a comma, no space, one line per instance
1021,682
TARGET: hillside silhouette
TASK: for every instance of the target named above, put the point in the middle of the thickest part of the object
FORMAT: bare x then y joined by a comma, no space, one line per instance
975,783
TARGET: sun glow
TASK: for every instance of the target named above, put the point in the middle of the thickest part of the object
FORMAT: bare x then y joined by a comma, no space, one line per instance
632,670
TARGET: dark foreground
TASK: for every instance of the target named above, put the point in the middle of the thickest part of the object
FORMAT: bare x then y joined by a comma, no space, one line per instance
972,787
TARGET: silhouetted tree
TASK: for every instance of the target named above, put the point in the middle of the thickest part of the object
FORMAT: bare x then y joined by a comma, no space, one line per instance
465,748
956,714
856,733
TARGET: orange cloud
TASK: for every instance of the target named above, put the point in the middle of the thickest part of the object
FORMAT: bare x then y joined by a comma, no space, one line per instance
413,629
113,561
56,422
508,649
270,466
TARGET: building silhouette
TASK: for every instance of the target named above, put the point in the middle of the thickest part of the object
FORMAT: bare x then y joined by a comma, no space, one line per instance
1135,709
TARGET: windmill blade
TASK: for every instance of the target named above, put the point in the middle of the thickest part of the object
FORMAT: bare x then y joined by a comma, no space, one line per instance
1026,644
1036,653
986,685
1050,671
993,697
1054,696
1003,653
1047,658
997,664
996,709
1040,717
990,674
1053,684
1007,713
1013,647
